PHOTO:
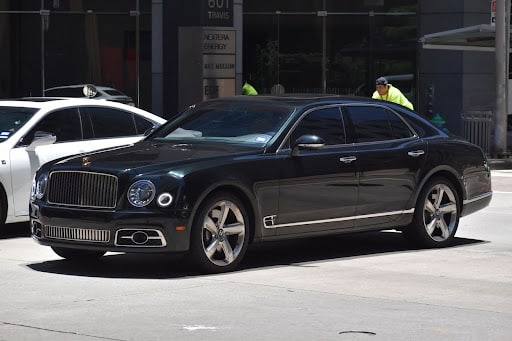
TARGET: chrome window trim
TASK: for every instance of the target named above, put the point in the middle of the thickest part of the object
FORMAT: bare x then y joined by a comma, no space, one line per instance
333,220
283,147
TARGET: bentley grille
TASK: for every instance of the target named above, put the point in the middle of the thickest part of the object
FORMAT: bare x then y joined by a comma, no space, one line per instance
77,234
83,189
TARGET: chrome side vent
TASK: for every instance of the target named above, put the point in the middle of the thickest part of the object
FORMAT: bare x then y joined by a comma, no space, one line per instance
83,189
269,221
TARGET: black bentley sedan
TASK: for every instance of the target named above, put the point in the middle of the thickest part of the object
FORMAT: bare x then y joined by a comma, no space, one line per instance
245,169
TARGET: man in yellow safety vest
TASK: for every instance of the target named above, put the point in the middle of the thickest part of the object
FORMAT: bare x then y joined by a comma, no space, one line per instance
387,92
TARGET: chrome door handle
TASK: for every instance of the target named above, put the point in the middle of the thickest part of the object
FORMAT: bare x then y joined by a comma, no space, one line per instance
416,153
348,159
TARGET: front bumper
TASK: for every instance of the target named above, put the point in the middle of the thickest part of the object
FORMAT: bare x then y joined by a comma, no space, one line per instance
119,231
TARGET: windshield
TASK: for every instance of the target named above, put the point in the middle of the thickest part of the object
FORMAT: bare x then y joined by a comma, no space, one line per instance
245,123
12,119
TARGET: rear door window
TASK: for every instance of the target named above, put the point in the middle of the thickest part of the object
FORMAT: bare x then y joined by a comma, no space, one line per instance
372,124
110,122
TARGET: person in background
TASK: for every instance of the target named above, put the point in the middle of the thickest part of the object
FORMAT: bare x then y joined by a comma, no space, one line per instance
248,89
387,92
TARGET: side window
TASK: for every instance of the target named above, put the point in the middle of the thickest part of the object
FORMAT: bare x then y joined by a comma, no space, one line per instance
373,124
398,126
64,124
142,125
326,123
110,122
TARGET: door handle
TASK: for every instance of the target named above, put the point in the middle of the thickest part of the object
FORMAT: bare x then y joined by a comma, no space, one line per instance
416,153
348,159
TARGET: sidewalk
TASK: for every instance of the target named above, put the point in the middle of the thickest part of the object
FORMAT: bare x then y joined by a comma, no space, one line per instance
501,163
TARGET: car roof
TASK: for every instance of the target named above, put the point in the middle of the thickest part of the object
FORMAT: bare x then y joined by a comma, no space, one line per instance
295,100
101,87
51,103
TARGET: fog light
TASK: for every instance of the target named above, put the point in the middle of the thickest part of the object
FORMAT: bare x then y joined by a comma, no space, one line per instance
140,237
164,199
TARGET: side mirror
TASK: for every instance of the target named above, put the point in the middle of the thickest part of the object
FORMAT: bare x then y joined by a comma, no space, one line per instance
307,142
41,138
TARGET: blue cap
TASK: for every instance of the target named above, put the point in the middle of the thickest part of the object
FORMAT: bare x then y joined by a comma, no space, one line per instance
381,81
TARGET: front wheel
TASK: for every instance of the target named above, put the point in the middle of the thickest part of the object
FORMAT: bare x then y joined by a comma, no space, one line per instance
220,234
436,216
77,255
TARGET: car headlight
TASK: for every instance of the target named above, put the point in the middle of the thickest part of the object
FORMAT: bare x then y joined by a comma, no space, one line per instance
141,193
39,186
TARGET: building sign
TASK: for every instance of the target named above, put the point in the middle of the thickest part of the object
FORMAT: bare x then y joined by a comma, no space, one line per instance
218,62
218,66
215,88
218,41
217,13
207,63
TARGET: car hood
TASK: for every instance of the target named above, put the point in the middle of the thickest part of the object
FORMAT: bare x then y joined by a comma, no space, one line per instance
146,156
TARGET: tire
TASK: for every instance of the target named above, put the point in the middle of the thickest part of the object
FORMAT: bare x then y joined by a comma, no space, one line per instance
220,234
436,216
3,206
77,255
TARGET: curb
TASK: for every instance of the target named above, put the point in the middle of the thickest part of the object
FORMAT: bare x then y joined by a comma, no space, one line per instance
500,163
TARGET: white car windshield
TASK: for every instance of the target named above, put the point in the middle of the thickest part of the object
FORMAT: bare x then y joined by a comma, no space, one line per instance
12,119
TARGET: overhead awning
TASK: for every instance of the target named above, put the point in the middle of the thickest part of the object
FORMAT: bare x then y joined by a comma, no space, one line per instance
471,38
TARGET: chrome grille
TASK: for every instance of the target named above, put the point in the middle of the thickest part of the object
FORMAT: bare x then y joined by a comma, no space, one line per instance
84,189
77,234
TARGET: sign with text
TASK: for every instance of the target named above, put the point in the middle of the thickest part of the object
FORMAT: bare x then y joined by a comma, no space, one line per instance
218,41
219,66
215,88
217,13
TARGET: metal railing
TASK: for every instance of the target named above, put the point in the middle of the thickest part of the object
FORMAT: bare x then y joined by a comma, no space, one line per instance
477,128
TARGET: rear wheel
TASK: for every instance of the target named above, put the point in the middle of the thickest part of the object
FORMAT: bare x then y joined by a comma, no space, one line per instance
436,216
220,234
76,254
3,205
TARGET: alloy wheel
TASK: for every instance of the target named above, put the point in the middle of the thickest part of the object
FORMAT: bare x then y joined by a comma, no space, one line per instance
440,212
223,233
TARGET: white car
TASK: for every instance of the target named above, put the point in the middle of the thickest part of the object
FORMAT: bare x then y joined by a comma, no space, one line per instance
33,132
89,91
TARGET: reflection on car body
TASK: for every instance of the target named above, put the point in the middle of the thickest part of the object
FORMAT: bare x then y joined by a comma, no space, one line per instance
246,169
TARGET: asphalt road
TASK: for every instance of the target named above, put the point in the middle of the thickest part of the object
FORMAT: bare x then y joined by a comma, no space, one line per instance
355,287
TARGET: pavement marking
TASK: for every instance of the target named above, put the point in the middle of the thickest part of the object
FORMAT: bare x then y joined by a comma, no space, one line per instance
199,327
505,173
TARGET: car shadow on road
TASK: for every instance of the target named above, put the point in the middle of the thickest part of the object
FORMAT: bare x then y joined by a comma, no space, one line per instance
301,252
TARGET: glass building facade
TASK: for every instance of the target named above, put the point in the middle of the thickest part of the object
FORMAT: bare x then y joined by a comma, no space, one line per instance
304,45
48,43
328,45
